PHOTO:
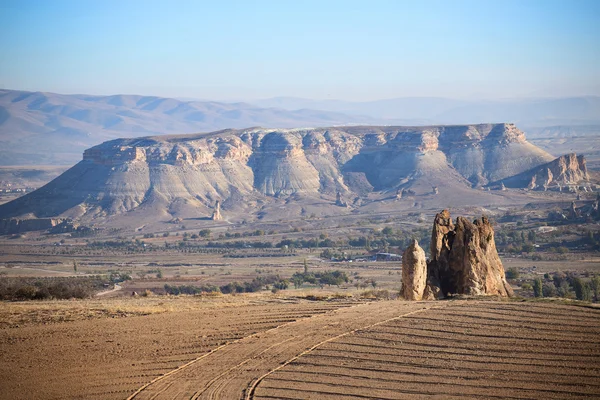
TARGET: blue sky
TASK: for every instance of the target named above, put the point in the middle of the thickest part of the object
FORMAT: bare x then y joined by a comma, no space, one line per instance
354,50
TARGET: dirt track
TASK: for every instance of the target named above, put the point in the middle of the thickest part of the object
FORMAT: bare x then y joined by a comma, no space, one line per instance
388,350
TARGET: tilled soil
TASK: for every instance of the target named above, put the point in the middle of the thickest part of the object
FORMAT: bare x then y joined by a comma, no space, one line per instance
111,358
465,350
319,350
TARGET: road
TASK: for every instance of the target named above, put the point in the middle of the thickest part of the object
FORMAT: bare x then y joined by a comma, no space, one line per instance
115,289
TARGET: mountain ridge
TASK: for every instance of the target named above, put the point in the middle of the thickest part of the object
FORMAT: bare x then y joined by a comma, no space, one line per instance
48,128
250,169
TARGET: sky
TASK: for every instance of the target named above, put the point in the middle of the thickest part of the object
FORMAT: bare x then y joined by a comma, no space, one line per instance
327,49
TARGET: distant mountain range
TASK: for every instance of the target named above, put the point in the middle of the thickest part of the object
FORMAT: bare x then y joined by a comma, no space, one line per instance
46,128
527,113
49,128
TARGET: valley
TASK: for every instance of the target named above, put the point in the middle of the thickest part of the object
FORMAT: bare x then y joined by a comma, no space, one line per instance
261,263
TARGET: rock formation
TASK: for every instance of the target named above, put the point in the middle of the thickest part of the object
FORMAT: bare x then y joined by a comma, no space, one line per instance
217,212
414,272
569,169
15,225
178,175
464,260
574,213
339,200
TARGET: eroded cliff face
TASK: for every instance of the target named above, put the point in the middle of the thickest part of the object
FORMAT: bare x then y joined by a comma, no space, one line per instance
170,172
569,169
464,259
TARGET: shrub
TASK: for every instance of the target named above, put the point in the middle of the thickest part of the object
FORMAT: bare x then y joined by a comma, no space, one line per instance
50,288
189,289
512,273
381,294
526,287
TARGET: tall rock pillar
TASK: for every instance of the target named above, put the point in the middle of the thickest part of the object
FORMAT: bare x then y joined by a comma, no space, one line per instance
414,272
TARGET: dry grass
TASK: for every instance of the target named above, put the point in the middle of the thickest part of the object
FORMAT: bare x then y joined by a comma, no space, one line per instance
16,314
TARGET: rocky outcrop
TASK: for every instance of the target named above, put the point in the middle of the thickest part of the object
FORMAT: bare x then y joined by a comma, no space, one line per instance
569,169
217,212
339,200
464,260
414,272
177,172
14,225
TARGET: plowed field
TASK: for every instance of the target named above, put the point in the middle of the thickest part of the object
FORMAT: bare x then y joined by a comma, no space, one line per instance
319,350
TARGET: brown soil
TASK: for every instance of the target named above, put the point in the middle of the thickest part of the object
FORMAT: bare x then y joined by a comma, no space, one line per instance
321,350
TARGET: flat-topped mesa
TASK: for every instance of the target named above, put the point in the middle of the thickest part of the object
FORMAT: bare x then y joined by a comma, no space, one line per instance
190,171
464,261
192,152
118,155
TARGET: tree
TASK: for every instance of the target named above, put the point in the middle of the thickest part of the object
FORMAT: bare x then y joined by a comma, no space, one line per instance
549,290
538,288
75,266
297,281
204,233
159,274
595,284
387,231
582,290
564,289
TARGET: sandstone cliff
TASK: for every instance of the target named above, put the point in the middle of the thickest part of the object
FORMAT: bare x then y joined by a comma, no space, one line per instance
244,168
569,169
464,260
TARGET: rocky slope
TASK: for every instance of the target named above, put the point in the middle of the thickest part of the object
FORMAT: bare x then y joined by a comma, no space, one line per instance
569,169
186,174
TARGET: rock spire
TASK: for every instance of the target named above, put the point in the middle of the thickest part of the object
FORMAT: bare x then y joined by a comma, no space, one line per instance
464,260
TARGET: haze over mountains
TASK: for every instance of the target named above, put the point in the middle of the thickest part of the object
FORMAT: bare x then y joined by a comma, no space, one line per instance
46,128
444,111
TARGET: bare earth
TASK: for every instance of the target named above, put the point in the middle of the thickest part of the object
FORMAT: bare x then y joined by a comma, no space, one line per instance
283,348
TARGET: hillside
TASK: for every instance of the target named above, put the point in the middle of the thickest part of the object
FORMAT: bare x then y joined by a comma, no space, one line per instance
569,169
48,128
38,128
256,172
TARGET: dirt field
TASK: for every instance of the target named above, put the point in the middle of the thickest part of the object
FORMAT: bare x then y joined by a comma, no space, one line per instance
267,347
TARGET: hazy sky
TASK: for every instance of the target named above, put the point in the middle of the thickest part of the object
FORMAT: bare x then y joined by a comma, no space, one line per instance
355,50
